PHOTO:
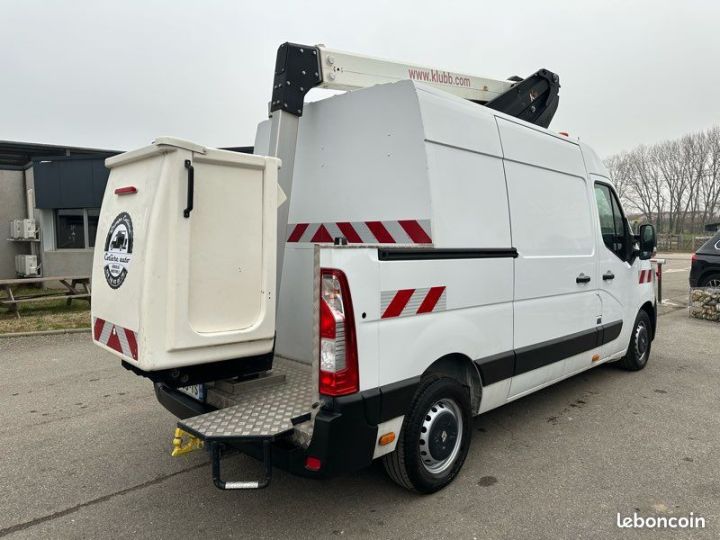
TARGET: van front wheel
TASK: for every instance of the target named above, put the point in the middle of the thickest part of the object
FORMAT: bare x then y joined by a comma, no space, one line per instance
435,437
639,350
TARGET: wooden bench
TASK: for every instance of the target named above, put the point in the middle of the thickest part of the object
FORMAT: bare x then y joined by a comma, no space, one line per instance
78,287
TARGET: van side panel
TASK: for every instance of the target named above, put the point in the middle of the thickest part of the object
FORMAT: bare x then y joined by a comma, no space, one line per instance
473,316
360,158
469,199
467,181
555,316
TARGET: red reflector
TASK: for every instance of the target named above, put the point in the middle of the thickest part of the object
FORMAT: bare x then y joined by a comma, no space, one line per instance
127,190
312,463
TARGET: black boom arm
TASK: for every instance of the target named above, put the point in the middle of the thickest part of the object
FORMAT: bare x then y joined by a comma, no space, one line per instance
534,99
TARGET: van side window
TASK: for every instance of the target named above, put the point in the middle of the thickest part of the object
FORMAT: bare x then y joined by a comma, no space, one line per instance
612,221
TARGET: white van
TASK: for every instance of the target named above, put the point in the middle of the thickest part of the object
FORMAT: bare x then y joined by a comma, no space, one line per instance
441,259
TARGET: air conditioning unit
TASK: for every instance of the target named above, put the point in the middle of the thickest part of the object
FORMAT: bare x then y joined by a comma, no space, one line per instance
16,227
29,229
23,229
26,265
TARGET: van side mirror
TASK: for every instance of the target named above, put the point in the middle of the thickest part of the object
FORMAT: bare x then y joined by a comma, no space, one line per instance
647,241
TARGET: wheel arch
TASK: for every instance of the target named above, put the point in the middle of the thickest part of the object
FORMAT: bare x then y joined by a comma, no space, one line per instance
651,311
461,368
707,273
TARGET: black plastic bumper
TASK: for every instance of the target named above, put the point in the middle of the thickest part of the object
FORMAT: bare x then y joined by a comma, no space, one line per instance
344,434
179,404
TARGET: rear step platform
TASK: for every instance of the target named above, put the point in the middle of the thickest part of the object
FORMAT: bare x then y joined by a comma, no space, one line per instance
262,414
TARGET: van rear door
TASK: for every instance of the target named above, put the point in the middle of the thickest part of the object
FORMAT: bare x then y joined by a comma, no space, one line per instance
184,265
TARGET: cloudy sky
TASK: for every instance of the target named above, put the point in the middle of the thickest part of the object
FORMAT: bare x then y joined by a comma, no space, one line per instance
117,74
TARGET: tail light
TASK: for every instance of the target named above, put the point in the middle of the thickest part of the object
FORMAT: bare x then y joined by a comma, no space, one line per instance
338,348
693,258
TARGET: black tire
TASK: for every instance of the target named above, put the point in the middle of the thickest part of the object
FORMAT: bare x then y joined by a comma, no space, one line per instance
638,351
437,405
713,280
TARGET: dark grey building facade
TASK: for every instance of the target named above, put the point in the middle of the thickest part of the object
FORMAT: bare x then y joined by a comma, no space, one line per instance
61,188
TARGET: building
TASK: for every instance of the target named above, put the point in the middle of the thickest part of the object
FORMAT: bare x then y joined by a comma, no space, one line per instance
61,188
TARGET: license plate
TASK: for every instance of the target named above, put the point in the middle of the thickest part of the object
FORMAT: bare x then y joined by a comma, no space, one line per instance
197,391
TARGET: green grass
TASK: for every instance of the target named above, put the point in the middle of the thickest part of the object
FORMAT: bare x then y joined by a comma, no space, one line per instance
51,314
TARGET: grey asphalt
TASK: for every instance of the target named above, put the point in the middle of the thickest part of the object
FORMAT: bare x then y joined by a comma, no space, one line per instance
675,280
85,454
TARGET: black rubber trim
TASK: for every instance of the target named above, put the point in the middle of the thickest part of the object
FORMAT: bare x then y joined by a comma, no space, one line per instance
555,350
502,366
611,331
497,367
420,254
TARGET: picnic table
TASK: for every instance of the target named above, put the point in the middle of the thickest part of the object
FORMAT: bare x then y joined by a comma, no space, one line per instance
78,287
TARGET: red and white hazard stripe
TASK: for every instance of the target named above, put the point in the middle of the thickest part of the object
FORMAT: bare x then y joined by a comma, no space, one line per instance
646,276
116,337
404,231
408,302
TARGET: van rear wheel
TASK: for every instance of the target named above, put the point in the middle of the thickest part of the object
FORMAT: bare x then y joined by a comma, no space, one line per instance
435,437
639,350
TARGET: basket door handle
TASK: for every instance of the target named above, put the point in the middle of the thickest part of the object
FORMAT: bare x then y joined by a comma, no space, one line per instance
190,188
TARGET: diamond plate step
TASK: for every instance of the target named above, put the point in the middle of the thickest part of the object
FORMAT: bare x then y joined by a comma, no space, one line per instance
262,412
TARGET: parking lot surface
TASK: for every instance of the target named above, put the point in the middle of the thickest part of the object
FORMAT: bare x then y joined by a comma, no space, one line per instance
86,455
675,273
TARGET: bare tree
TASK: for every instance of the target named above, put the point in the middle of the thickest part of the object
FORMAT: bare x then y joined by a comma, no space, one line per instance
646,185
675,184
709,185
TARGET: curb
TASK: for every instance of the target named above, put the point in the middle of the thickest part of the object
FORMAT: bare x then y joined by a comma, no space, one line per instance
46,333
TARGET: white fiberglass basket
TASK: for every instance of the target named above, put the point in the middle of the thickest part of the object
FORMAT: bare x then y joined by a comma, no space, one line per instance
184,264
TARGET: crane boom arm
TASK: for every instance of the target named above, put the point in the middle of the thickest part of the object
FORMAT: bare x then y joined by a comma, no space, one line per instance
348,71
299,68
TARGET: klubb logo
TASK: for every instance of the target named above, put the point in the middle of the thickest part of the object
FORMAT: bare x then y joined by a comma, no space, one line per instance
118,250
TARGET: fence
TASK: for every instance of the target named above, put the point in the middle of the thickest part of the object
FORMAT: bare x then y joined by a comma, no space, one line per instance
680,242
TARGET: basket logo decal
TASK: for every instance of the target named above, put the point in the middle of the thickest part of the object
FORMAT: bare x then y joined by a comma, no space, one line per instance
409,302
404,231
116,337
118,250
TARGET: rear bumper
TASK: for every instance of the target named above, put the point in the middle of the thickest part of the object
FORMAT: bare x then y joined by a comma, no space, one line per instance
179,404
344,433
695,272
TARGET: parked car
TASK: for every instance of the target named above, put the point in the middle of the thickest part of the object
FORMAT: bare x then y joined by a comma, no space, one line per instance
705,269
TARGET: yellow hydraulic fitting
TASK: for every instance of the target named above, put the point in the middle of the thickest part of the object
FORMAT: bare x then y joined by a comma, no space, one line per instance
184,443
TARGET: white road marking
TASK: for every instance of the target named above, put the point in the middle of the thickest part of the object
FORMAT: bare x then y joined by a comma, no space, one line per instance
671,270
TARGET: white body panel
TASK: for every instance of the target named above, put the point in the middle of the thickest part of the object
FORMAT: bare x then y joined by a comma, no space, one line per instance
196,289
483,180
553,233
